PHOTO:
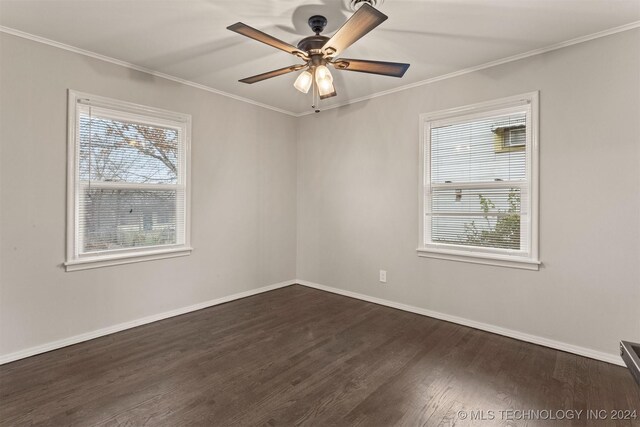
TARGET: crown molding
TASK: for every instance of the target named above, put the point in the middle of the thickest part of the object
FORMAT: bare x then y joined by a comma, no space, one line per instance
125,64
486,65
556,46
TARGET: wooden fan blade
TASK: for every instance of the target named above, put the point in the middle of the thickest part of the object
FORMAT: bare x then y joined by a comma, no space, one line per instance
274,73
361,22
393,69
265,38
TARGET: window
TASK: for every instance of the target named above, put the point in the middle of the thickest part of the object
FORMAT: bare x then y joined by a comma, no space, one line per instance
128,183
479,183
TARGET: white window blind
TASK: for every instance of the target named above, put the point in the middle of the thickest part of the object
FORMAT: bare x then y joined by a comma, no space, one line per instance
478,183
130,181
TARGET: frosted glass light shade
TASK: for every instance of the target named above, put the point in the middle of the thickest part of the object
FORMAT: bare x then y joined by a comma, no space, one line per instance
324,80
303,82
325,88
322,73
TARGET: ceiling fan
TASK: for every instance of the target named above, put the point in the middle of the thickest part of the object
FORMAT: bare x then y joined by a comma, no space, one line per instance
318,51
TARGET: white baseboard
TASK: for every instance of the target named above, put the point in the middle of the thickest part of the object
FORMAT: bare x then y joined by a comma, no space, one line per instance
6,358
558,345
582,351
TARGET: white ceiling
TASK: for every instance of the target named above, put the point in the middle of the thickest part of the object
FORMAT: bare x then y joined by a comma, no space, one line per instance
188,38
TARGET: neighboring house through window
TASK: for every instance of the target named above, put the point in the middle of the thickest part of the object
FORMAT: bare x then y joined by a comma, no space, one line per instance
128,182
510,135
479,183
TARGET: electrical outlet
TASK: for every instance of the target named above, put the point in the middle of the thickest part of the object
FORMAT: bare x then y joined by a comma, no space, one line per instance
383,276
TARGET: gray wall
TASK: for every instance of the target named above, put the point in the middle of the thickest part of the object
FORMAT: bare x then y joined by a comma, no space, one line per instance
358,199
243,192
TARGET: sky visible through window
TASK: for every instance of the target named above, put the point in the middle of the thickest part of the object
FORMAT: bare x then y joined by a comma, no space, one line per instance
119,151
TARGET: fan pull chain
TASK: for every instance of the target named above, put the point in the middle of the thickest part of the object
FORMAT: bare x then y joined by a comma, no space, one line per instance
316,98
313,90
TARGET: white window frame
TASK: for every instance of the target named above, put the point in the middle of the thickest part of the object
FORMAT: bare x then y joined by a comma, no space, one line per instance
128,111
525,259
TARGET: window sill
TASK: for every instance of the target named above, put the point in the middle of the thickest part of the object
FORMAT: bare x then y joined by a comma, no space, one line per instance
110,260
481,258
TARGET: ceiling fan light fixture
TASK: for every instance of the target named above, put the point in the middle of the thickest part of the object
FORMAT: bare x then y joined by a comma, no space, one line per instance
327,92
325,88
303,82
318,51
323,73
324,81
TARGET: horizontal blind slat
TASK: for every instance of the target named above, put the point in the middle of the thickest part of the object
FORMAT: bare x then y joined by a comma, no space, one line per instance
477,192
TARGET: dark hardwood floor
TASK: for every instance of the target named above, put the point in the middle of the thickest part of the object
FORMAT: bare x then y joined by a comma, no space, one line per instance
302,356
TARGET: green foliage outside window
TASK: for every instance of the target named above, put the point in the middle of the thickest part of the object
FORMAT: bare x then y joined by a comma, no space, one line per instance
505,232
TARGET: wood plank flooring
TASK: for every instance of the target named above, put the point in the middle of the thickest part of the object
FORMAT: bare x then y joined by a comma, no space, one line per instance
299,356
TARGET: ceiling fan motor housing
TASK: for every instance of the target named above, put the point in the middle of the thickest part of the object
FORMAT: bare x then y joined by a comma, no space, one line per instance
313,44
